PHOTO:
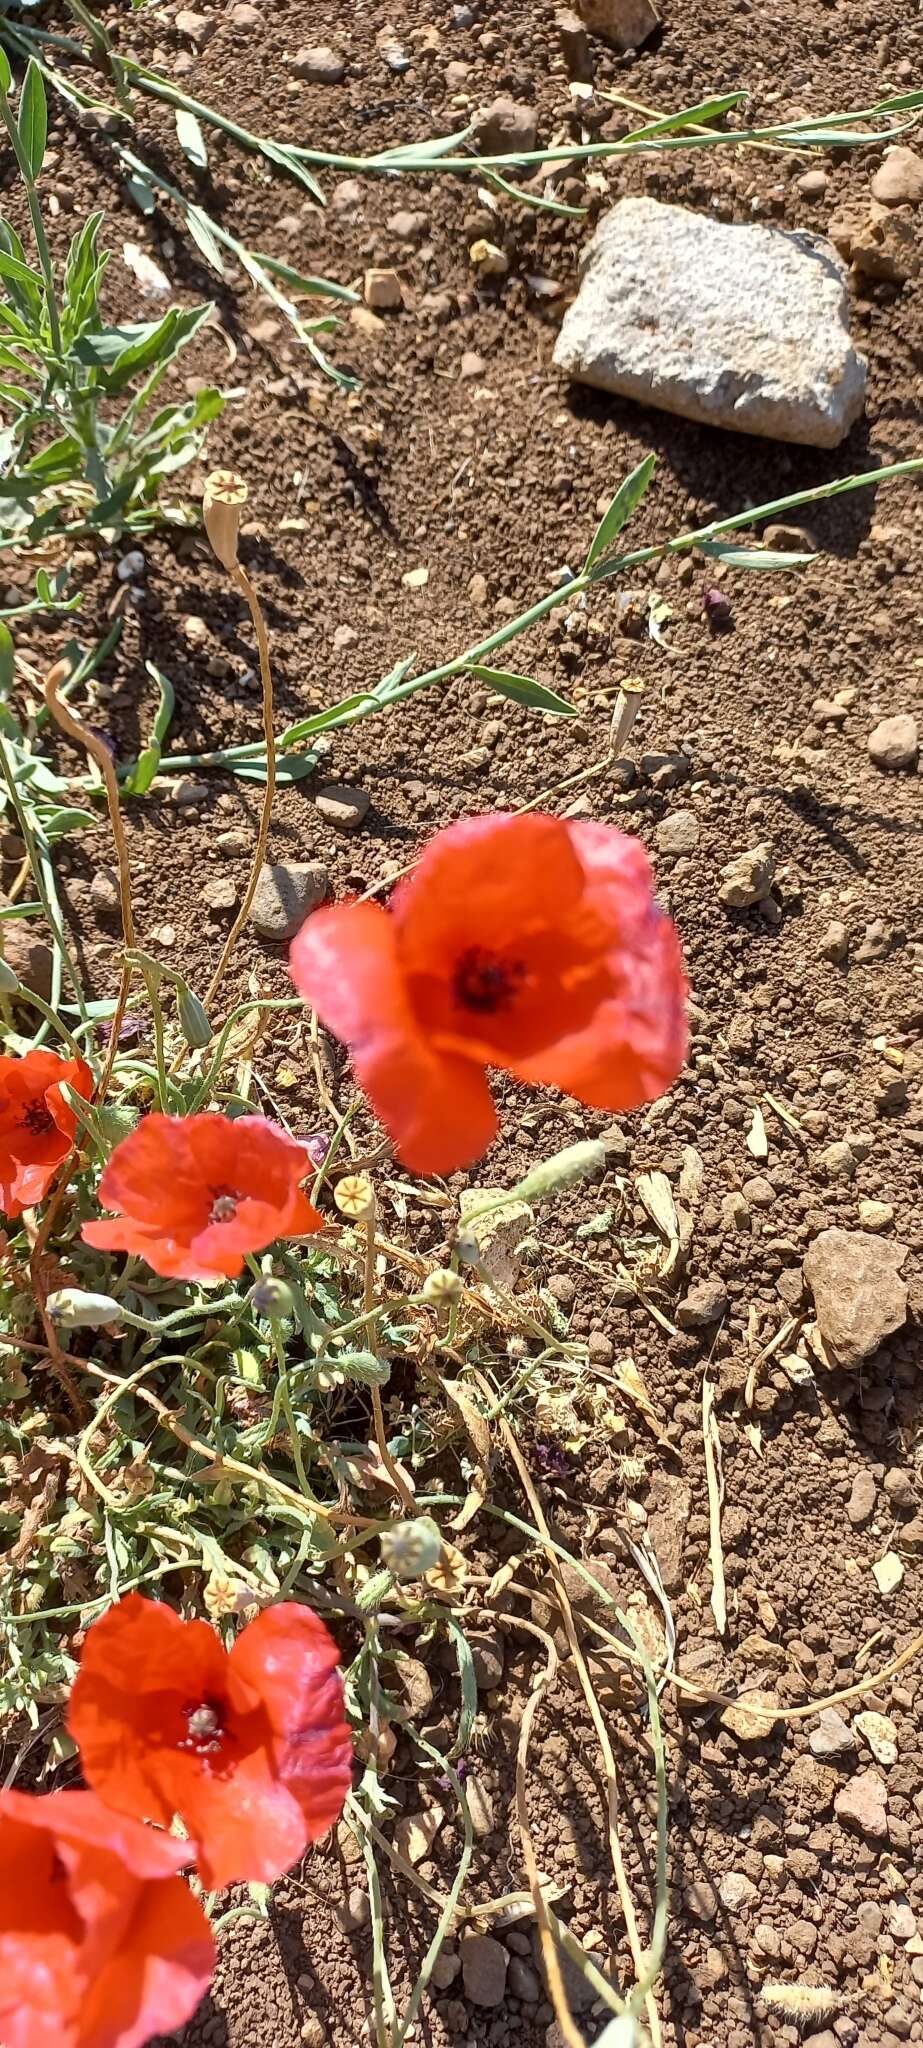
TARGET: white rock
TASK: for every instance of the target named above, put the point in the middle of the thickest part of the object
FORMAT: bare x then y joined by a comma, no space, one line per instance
895,742
734,326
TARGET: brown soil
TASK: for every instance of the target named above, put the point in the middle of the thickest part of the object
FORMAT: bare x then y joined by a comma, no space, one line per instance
500,476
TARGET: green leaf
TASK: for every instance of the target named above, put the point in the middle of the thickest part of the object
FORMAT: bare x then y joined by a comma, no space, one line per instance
292,768
6,75
82,273
191,139
6,661
145,768
627,497
753,558
124,352
318,287
202,232
33,118
690,117
22,274
141,195
523,690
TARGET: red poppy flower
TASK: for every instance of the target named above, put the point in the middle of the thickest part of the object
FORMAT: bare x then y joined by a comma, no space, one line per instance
195,1193
36,1126
250,1747
528,943
102,1944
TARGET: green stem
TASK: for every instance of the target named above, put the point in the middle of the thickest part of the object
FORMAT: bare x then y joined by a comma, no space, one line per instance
43,876
28,995
601,571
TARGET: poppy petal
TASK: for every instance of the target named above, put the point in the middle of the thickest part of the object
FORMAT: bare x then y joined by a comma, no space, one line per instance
140,1666
635,1045
438,1108
154,1982
489,881
247,1826
289,1657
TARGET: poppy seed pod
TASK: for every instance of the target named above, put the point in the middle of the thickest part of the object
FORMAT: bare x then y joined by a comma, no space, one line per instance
223,500
442,1287
411,1548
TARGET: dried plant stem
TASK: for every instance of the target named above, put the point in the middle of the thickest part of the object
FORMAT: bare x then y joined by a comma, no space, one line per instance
242,581
602,1734
378,1414
99,752
572,2038
714,1477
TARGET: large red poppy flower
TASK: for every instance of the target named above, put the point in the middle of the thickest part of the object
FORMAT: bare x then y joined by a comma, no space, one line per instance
528,943
36,1126
251,1747
102,1944
195,1193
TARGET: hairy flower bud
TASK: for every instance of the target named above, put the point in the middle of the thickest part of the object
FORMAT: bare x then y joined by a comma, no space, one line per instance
71,1309
271,1298
9,982
193,1019
411,1548
222,504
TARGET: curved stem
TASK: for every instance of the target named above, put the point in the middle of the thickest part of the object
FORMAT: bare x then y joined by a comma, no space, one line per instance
244,585
99,752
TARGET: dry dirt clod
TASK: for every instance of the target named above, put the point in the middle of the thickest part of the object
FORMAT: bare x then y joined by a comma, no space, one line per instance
863,1804
286,893
342,805
834,942
861,1504
859,1296
575,44
677,833
487,1655
832,1736
220,894
484,1964
894,742
899,180
705,1304
506,126
382,292
626,24
320,65
30,959
747,879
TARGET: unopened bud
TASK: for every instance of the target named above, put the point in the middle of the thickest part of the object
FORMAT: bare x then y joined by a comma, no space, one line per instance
375,1589
466,1248
442,1287
193,1020
223,501
9,982
575,1163
71,1309
411,1548
271,1298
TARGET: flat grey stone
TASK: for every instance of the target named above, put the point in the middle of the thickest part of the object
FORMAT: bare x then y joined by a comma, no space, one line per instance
285,895
740,326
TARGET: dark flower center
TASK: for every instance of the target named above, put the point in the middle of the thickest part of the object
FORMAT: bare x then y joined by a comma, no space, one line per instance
485,982
224,1206
205,1725
37,1117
